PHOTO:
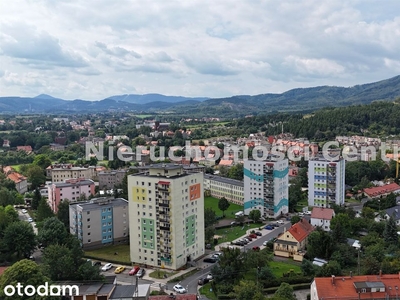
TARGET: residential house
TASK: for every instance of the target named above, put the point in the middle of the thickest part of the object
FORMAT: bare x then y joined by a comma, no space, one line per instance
59,173
27,149
393,212
292,243
71,189
356,287
6,143
110,179
382,191
322,217
21,182
100,222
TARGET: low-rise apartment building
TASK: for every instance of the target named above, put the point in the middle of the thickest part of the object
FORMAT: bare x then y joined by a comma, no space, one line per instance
110,179
71,190
100,222
218,187
59,173
322,217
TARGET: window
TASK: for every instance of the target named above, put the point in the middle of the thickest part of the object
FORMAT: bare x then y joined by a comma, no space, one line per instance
88,219
88,226
88,212
89,241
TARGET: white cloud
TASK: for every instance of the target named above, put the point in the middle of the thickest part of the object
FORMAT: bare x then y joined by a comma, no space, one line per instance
91,49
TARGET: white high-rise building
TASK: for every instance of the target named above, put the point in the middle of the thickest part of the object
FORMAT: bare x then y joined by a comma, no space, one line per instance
326,182
166,209
266,187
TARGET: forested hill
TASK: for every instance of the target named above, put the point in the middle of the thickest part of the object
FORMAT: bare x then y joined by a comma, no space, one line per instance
380,118
300,99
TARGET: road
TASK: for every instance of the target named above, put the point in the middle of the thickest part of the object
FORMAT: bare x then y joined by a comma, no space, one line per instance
190,283
124,278
25,217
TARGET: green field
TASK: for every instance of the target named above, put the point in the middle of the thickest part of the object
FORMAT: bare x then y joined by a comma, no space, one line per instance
211,202
107,253
143,116
235,232
206,290
16,167
280,267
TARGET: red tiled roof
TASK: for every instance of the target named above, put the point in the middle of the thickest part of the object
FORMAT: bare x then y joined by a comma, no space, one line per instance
226,162
24,148
343,287
380,190
16,177
322,213
177,297
301,230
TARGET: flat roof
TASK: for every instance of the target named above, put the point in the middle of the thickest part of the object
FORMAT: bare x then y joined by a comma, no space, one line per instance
100,202
224,180
68,184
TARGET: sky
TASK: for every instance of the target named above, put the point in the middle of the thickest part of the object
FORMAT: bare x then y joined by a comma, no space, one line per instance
92,49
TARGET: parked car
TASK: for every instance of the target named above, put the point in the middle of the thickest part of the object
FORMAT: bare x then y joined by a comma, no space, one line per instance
239,243
106,267
248,238
218,253
210,260
30,220
256,248
141,273
215,256
258,233
179,289
97,263
24,211
203,281
268,227
253,236
280,222
134,271
244,241
265,243
209,276
119,270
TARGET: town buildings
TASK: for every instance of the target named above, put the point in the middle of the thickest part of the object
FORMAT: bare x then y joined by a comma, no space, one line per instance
100,222
231,189
326,182
292,243
166,208
110,179
61,172
266,187
71,190
356,287
382,191
21,182
322,217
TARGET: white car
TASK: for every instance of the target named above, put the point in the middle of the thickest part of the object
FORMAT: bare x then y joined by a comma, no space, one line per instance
30,220
209,276
179,289
280,222
106,267
24,211
265,243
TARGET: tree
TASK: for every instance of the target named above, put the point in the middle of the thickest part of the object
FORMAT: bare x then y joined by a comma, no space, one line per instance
307,268
320,244
390,234
63,213
6,197
11,214
42,160
341,227
19,238
255,215
36,176
223,205
285,291
44,211
25,272
52,232
329,269
257,259
36,199
295,219
58,263
248,290
209,217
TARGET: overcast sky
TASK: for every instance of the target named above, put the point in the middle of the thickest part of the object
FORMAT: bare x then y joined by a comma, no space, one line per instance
91,49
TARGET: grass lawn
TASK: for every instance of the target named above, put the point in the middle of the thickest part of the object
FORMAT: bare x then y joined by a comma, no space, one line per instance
143,116
280,267
107,253
352,200
16,167
205,290
211,202
159,274
230,234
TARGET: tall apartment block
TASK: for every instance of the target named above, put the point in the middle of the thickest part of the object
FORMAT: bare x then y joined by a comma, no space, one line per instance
326,182
166,209
100,222
266,187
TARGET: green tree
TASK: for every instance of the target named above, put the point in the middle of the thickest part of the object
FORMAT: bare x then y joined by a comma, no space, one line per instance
390,234
257,259
285,291
329,269
209,217
44,211
36,176
248,290
6,197
223,205
341,227
52,232
63,213
19,238
307,268
36,199
25,272
58,262
255,215
320,244
295,219
11,214
42,160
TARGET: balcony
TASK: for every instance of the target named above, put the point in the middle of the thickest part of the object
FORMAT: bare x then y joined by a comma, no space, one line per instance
166,228
163,204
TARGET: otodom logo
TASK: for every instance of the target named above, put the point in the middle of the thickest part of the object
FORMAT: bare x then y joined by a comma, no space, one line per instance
41,290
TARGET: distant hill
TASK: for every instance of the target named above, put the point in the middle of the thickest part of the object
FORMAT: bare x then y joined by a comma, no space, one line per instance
300,99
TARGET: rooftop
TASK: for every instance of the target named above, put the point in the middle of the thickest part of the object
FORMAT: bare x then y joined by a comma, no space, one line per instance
95,203
380,190
322,213
301,230
75,182
224,179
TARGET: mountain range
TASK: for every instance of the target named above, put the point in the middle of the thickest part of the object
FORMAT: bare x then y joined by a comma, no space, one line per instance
300,99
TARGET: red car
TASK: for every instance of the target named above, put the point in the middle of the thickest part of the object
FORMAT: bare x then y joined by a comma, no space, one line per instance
134,271
253,236
256,248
